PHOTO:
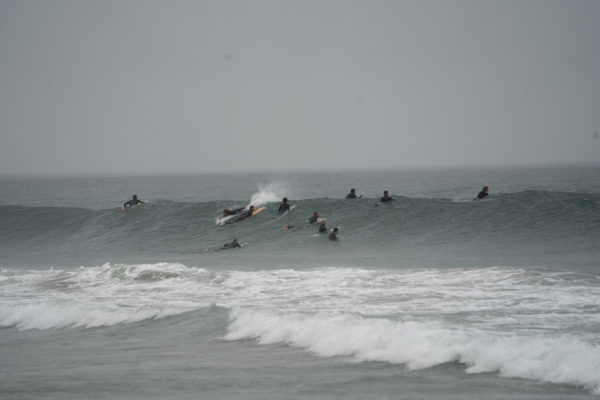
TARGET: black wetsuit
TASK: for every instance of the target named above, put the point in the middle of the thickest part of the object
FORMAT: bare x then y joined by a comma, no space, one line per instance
351,196
242,217
323,229
283,208
236,211
132,203
481,195
332,236
311,220
386,199
230,246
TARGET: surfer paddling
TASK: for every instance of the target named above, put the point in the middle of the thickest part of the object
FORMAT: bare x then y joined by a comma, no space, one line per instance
227,246
311,220
243,216
483,194
131,203
227,213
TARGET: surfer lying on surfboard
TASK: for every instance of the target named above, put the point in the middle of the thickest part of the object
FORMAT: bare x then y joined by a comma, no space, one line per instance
227,246
227,212
131,203
483,194
311,220
243,216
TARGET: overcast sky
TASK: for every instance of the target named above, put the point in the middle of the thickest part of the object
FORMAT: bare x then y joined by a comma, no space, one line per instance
146,87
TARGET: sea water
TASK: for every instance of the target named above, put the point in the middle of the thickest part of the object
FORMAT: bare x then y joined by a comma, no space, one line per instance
433,296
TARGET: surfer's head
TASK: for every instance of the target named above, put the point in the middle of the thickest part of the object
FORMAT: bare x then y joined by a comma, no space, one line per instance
135,196
486,189
385,192
316,214
323,221
285,199
352,191
234,240
335,230
252,208
226,212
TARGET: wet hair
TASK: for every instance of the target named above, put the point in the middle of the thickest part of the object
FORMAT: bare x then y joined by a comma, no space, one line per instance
335,230
226,211
385,192
285,199
251,207
485,188
316,212
135,196
234,240
352,190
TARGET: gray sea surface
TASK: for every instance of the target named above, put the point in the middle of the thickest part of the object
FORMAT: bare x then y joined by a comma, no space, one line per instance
433,296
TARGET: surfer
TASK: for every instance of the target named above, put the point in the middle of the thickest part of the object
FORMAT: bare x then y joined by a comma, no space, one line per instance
332,235
243,216
483,194
282,208
131,203
311,220
386,197
322,227
227,246
227,212
352,194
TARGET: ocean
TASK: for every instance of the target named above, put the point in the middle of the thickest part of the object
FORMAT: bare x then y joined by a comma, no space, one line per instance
433,296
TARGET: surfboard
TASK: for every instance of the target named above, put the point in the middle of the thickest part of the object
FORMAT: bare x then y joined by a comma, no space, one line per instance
279,216
253,214
129,208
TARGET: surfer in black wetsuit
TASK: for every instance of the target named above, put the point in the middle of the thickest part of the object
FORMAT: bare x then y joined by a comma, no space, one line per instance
227,246
131,203
332,235
352,195
483,194
243,216
386,197
227,212
311,220
283,207
322,227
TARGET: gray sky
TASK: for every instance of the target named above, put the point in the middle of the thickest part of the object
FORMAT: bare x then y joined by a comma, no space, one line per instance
144,87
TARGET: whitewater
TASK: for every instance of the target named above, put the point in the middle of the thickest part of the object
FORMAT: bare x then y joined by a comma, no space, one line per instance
435,296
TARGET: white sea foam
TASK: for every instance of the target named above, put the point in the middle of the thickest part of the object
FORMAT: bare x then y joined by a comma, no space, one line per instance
526,323
491,298
99,296
419,345
271,193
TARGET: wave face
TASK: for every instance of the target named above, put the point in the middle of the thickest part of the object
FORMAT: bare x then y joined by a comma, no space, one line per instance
538,228
521,323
